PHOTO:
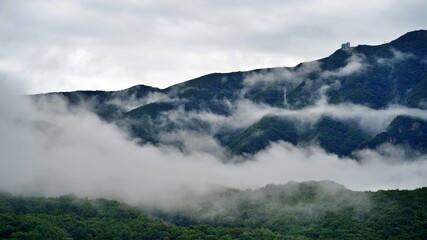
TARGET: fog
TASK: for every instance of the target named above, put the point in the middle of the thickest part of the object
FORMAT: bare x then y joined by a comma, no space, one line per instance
245,113
356,63
52,149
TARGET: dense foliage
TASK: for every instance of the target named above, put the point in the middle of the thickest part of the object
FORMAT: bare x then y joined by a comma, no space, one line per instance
314,210
68,217
339,137
259,135
310,210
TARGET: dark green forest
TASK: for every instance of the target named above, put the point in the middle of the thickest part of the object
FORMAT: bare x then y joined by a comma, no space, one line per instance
308,210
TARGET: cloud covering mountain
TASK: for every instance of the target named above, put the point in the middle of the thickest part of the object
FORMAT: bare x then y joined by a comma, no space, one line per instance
77,142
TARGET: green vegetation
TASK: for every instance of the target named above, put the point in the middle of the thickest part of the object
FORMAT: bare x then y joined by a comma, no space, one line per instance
152,110
309,210
313,210
338,137
418,96
405,131
68,217
332,135
261,134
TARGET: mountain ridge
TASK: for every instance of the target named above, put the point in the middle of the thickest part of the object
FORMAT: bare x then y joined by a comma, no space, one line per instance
375,77
408,37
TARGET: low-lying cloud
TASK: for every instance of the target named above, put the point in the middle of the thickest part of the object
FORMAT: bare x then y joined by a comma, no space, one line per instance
132,102
397,57
291,76
50,149
246,113
356,63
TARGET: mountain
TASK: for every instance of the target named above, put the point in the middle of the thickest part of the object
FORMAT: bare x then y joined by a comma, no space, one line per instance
106,104
403,130
333,136
247,111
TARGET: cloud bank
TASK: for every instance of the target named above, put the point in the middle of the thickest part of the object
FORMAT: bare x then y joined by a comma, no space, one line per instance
49,149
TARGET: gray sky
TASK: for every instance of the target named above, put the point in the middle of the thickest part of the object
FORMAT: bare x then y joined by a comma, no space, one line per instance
114,44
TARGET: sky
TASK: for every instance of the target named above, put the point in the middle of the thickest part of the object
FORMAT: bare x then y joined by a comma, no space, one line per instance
49,46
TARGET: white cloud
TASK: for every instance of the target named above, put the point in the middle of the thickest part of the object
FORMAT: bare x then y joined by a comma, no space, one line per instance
397,57
354,64
132,102
50,150
292,77
245,113
69,45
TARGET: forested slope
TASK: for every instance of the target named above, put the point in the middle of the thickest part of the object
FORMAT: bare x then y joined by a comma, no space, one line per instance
309,210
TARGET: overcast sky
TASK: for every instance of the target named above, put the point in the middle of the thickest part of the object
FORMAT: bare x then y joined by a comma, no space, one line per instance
114,44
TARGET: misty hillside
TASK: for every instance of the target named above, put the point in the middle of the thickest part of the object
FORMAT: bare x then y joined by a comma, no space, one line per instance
364,97
307,210
213,120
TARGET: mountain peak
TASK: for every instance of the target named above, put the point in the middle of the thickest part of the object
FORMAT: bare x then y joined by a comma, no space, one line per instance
414,42
414,36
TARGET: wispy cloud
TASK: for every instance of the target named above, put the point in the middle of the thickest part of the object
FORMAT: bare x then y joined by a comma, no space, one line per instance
356,63
49,150
397,57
